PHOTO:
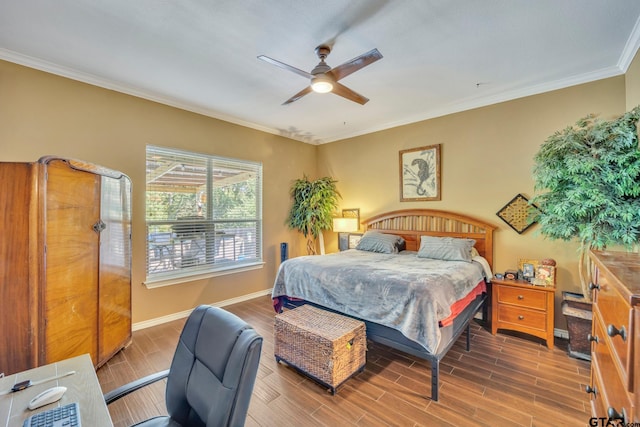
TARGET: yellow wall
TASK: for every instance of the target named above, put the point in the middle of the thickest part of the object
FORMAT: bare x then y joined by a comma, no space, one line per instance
43,114
487,159
632,82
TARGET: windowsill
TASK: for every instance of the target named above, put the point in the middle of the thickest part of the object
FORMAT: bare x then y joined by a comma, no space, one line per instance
176,280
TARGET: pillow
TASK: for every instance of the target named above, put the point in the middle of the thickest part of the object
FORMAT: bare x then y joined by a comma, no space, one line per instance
373,241
446,248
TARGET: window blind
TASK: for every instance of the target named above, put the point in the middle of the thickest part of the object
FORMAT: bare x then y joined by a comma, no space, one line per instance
203,213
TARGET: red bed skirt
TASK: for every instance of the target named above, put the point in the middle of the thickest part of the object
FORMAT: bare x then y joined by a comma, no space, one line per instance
456,308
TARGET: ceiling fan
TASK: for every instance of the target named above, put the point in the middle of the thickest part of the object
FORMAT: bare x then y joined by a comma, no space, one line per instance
324,79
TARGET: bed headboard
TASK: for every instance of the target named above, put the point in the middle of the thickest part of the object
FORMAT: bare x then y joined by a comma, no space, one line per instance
413,223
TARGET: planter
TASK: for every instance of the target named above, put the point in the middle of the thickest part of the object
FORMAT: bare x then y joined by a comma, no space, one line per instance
577,311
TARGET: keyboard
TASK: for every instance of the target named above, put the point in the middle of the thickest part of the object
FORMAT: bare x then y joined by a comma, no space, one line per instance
61,416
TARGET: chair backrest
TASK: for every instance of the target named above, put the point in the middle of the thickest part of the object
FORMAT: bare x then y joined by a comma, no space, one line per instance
213,371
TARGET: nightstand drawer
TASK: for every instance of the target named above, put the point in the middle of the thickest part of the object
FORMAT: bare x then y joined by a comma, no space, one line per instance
522,297
523,317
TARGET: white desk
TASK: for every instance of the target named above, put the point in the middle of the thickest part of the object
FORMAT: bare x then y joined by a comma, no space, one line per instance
82,387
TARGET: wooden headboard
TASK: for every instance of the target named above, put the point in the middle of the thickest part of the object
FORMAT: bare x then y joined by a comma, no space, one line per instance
413,223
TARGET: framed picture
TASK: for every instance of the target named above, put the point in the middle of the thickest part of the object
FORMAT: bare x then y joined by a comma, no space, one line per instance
545,275
354,239
420,174
518,213
528,272
531,265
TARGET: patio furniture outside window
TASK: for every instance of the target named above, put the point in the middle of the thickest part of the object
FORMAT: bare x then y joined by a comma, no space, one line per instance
203,214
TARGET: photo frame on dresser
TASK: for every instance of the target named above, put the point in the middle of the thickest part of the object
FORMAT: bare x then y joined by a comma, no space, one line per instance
420,174
545,275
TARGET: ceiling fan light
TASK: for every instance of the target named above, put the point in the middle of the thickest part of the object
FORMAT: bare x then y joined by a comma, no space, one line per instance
321,84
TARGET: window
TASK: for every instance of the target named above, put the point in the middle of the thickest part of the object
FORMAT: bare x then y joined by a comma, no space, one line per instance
203,215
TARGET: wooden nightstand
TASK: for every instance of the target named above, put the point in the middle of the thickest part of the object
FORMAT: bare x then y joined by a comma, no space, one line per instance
519,306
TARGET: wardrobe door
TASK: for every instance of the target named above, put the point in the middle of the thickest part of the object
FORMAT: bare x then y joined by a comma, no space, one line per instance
71,208
114,327
18,292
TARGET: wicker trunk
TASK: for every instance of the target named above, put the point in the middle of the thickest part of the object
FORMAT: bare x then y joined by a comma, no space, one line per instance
326,346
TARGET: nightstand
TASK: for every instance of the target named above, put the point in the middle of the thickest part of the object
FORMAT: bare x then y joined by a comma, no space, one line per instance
519,306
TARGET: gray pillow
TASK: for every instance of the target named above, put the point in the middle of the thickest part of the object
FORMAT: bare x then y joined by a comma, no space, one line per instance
446,248
373,241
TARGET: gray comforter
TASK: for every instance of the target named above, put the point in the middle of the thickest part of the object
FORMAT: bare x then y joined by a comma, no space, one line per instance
400,291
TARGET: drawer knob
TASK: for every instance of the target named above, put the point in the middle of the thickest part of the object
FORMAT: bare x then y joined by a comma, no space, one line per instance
615,415
592,338
612,331
593,286
521,317
590,389
520,296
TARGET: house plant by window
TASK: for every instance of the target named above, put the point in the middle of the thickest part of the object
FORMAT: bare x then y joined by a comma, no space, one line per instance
314,203
587,183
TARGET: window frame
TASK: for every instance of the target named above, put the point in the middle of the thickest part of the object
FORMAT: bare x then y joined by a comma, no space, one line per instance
206,224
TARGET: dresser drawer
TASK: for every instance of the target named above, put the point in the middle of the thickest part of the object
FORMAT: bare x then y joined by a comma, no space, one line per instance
610,388
615,313
523,317
521,297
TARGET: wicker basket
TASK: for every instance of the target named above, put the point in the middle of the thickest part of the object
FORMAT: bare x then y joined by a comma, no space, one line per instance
326,346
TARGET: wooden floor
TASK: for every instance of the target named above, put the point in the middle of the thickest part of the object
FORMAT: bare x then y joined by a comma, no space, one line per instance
505,380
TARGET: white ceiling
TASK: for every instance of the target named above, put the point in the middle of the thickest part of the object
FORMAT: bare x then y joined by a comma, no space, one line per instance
440,56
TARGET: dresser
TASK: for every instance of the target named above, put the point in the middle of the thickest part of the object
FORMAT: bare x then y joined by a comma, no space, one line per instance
614,349
65,262
519,306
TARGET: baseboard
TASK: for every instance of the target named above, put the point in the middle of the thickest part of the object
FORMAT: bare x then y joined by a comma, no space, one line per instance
181,315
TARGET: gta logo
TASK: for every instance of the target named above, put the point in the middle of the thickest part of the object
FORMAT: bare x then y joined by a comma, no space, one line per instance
610,422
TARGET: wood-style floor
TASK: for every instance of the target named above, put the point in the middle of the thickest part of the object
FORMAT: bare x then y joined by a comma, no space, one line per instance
505,380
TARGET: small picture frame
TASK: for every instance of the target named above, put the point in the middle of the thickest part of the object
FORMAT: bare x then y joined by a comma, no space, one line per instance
533,262
354,239
545,275
528,271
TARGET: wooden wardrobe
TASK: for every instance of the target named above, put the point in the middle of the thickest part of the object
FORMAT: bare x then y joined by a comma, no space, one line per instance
65,262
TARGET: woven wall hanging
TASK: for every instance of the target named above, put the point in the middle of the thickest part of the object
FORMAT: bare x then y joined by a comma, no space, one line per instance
517,213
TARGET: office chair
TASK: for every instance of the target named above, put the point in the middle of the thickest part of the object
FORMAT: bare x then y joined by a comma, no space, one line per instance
211,377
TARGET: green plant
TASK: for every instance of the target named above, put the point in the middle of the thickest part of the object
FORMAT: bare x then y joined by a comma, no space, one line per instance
314,203
587,183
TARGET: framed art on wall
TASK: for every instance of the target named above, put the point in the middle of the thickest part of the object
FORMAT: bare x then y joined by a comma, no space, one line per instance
420,174
518,213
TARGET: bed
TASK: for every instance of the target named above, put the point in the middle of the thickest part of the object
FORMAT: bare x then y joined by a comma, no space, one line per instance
451,305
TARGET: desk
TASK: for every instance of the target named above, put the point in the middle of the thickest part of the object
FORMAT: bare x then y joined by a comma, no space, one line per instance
82,387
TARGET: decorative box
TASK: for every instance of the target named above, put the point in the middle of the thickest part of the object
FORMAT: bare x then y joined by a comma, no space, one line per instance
325,346
511,274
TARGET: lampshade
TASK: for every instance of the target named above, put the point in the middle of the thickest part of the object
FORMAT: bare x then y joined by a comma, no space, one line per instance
321,84
345,225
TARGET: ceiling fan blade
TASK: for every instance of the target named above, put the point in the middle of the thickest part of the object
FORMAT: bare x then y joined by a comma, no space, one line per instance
345,92
298,95
285,66
355,64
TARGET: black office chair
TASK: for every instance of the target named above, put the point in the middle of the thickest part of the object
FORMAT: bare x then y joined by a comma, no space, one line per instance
212,374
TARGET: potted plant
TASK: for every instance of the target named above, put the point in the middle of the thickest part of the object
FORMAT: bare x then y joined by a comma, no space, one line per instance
314,203
587,184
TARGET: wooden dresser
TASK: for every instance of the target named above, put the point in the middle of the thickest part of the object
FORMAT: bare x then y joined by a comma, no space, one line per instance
614,350
519,306
65,262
